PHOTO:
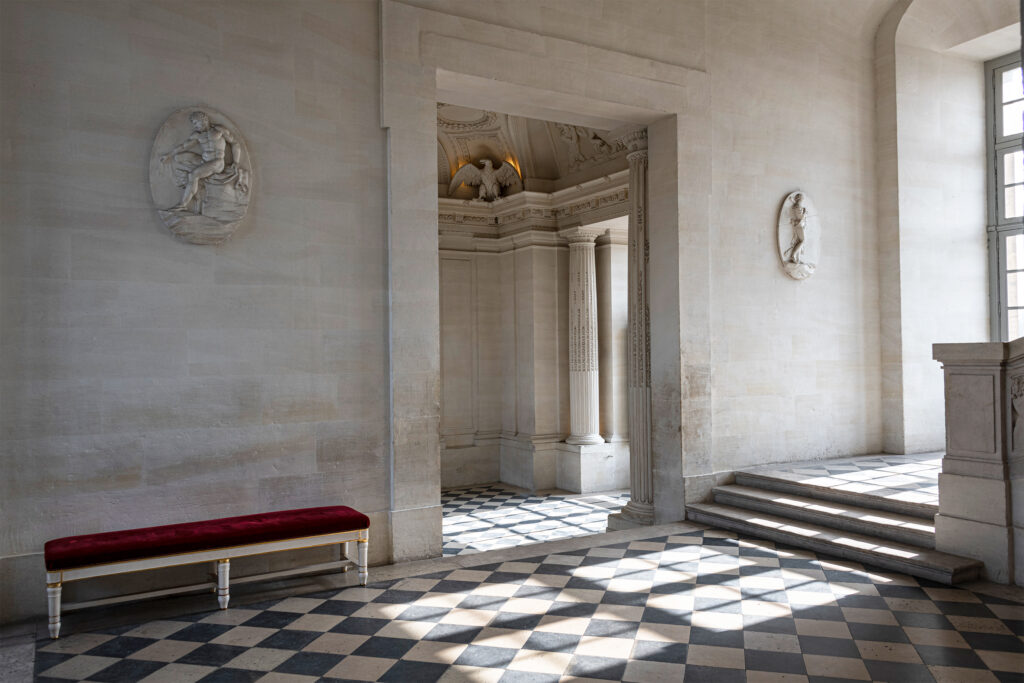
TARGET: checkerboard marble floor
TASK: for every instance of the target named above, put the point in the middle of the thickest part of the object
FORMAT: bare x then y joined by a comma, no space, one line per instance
695,605
493,516
909,478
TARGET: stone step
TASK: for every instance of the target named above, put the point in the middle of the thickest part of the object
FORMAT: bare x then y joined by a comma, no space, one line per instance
898,557
756,479
843,516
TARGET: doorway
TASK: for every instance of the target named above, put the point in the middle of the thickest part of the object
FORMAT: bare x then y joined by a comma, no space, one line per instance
427,59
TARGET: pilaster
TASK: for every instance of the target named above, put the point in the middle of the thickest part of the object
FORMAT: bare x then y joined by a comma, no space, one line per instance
639,511
584,379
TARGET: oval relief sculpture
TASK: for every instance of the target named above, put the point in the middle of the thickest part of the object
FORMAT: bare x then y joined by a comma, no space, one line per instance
200,175
799,236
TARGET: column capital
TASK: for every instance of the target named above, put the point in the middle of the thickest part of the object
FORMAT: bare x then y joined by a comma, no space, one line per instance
579,235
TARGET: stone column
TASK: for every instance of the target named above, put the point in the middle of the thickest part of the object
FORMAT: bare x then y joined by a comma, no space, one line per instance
584,379
639,511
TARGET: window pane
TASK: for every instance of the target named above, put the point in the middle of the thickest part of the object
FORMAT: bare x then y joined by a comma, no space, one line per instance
1015,289
1015,252
1013,168
1012,89
1014,207
1013,123
1016,323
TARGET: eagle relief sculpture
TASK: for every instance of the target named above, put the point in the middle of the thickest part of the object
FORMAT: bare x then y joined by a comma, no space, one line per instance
200,175
491,181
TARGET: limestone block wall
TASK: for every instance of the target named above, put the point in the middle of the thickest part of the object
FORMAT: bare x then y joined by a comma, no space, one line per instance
932,213
146,381
795,365
472,352
940,110
540,375
505,361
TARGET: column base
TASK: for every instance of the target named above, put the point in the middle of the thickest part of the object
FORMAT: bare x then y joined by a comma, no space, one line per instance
588,440
589,468
634,515
529,462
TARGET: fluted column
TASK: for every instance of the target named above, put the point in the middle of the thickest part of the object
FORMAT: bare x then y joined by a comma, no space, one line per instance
584,380
640,508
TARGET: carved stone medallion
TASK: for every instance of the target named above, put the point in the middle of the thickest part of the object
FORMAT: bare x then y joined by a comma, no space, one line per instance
200,175
799,236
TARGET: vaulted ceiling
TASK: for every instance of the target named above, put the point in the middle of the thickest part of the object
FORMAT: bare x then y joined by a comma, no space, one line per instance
548,156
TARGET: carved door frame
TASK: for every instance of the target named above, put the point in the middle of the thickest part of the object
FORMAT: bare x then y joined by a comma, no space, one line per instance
427,58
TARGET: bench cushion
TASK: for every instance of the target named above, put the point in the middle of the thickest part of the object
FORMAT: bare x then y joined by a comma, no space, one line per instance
171,539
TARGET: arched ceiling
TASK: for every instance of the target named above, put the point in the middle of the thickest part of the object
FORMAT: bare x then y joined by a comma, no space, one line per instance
945,24
548,156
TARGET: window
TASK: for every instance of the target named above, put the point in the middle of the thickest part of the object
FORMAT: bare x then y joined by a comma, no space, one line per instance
1005,95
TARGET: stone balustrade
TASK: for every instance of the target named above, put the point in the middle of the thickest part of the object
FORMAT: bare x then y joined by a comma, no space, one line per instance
981,488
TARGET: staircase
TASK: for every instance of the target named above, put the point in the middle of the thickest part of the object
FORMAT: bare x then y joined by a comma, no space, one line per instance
891,534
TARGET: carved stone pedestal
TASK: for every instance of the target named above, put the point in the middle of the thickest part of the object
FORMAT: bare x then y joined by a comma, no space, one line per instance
587,469
981,488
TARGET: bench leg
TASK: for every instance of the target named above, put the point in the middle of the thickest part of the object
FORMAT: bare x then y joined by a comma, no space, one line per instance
53,605
223,592
361,563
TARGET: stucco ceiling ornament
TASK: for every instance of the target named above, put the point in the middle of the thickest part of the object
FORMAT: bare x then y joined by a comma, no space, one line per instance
453,118
490,180
200,175
799,236
579,141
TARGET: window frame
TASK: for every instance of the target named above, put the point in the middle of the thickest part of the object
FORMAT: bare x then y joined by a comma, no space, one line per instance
998,227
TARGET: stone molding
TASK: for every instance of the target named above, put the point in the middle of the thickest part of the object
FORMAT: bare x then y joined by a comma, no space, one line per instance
581,205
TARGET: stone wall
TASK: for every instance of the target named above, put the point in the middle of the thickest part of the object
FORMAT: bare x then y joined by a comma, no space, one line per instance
795,363
943,250
148,381
932,214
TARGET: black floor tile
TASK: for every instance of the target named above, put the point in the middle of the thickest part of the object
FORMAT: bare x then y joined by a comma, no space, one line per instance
776,662
604,668
659,651
309,663
552,642
201,633
993,641
833,647
126,671
120,647
271,619
360,626
877,632
898,671
289,639
949,656
453,633
483,655
713,674
379,646
227,675
212,655
406,671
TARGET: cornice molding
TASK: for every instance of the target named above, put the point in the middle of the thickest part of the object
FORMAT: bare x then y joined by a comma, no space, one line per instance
533,213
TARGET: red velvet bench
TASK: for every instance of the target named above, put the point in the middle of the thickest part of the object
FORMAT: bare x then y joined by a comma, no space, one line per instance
217,540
